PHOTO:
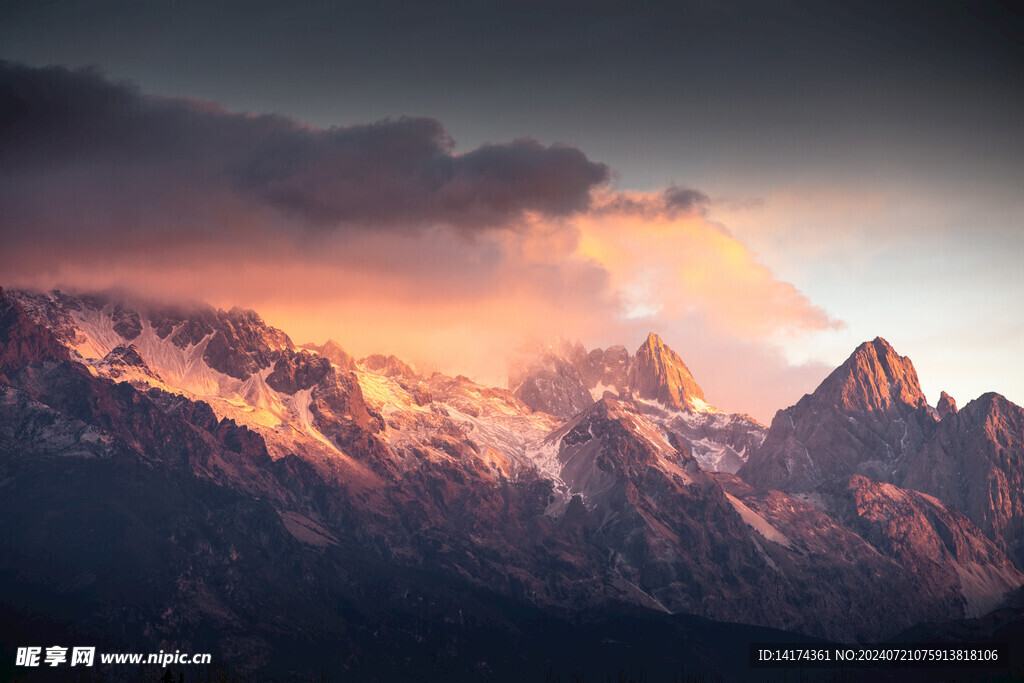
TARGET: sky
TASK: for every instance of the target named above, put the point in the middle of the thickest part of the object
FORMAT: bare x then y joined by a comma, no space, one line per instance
766,185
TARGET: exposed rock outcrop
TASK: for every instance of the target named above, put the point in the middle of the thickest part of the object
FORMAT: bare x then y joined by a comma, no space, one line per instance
296,371
389,366
657,372
126,361
975,462
864,418
551,383
949,557
333,352
945,406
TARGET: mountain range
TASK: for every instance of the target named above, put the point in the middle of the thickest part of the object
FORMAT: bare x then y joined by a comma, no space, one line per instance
190,478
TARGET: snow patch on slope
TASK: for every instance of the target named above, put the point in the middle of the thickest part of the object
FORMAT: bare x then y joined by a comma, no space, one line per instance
597,391
383,394
97,336
543,453
759,523
702,406
509,434
705,431
251,402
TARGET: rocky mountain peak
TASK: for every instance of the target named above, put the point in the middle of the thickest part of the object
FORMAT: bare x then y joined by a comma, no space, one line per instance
874,377
389,366
295,371
865,418
332,351
608,368
126,355
975,462
551,383
945,406
1000,416
659,373
123,358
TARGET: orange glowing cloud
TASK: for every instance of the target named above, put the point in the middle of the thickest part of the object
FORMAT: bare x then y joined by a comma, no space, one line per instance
459,303
664,265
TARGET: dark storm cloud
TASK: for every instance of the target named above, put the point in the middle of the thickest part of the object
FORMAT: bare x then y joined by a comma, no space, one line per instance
405,171
659,89
81,150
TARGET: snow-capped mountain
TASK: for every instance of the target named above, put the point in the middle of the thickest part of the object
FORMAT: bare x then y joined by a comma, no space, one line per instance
655,380
377,507
252,373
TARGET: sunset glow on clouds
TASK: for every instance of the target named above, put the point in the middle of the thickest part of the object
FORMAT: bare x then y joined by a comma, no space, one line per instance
668,263
377,236
798,236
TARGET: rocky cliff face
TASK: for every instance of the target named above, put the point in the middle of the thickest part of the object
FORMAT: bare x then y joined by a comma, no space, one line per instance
870,418
389,366
333,352
126,361
551,383
20,341
297,371
658,373
975,462
864,418
830,559
873,379
606,371
238,342
945,406
945,552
